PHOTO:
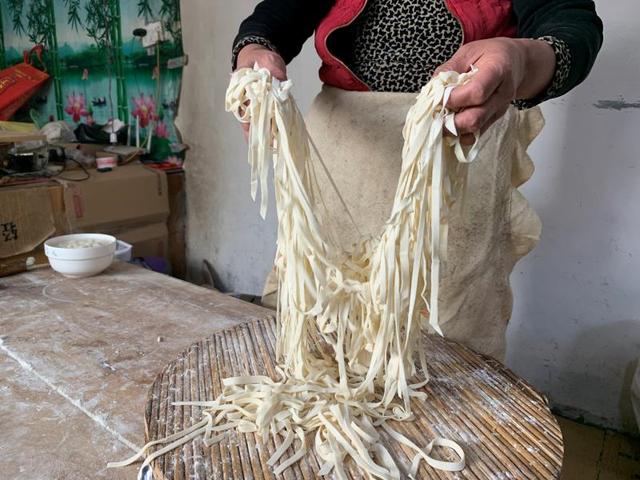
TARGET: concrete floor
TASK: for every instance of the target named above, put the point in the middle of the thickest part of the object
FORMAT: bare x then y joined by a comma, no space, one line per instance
595,454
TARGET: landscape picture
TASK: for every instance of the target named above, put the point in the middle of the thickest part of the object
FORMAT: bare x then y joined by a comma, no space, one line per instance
99,68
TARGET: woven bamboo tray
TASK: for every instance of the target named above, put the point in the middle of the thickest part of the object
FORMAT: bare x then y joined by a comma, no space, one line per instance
504,426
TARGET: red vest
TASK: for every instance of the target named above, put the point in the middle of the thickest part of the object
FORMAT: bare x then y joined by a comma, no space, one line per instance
479,19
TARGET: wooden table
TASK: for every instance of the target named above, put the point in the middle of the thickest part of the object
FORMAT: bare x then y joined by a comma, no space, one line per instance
78,358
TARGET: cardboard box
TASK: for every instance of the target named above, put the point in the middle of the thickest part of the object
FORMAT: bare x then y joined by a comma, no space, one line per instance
109,202
147,240
131,203
23,262
29,214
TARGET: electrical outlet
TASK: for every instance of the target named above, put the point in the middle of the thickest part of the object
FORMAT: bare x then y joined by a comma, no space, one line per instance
155,34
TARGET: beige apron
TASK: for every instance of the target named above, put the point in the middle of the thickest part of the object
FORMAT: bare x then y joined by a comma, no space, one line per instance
359,136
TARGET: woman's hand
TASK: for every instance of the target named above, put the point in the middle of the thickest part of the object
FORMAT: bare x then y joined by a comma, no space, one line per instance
265,58
508,69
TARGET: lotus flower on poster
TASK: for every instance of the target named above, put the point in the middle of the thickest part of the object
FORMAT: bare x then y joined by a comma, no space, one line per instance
144,109
76,106
161,130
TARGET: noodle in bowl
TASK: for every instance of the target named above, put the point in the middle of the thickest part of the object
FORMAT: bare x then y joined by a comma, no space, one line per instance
80,255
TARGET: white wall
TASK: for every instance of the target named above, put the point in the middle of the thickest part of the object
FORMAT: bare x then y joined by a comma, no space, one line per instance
575,332
223,224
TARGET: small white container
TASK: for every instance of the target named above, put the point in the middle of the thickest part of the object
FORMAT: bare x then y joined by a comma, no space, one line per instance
123,251
71,258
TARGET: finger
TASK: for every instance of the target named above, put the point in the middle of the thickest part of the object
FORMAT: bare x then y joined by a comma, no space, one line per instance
477,119
279,72
245,131
276,70
479,89
274,63
265,59
460,63
465,138
473,119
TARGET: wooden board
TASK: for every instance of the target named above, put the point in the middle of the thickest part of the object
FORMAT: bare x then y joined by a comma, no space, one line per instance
17,137
504,426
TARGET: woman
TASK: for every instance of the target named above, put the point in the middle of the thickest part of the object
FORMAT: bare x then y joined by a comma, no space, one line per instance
376,53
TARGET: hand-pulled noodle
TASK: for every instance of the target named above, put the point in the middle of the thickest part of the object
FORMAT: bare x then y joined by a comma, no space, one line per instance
349,328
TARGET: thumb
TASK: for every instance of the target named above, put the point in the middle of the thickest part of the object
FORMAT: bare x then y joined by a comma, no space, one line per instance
458,63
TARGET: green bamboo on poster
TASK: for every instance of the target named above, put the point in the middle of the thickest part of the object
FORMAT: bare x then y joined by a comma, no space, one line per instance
116,36
102,24
3,61
172,23
52,43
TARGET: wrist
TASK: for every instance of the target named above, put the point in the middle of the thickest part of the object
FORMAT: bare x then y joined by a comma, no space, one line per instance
254,42
539,60
251,48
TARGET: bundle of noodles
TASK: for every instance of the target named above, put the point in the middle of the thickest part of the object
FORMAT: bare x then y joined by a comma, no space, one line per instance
348,326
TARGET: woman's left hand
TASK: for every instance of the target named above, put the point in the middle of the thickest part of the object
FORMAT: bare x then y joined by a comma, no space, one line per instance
508,69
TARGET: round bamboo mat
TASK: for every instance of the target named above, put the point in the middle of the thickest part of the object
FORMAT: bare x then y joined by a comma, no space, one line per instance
504,426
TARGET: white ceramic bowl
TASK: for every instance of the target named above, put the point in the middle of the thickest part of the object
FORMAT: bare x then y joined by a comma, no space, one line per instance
80,262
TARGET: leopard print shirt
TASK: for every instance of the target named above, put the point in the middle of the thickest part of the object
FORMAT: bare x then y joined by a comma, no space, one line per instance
399,43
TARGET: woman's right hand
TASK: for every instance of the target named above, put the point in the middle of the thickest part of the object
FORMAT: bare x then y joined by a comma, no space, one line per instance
265,58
